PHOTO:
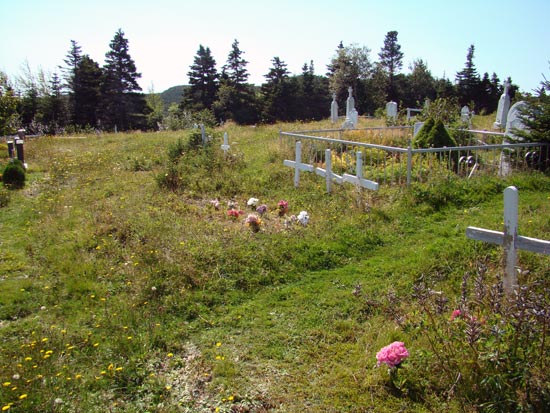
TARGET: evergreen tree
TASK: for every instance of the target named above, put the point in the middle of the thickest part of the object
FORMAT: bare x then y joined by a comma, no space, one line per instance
120,80
86,95
468,83
391,59
53,106
203,78
235,68
421,84
537,119
278,96
8,106
236,99
72,61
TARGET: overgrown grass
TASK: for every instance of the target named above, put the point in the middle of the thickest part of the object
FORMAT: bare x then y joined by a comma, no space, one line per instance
123,290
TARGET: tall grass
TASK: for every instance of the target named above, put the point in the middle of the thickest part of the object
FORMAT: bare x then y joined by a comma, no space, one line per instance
122,293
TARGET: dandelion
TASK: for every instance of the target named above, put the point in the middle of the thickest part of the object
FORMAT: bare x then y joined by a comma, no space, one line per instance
170,355
218,344
23,396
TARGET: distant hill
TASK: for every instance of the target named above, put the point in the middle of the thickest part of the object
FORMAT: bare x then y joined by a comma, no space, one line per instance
172,95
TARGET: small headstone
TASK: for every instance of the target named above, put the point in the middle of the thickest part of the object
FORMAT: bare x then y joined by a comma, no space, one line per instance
391,110
465,114
503,107
355,117
514,122
334,109
11,149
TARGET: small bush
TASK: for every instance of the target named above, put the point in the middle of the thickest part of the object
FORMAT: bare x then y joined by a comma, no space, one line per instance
434,135
13,176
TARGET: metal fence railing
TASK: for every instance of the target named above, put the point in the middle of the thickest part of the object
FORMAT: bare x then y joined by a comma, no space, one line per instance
389,158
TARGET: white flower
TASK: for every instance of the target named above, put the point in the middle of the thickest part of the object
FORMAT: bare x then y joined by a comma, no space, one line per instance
253,202
303,218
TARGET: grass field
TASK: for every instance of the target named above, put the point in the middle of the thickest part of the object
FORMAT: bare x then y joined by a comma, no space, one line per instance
124,289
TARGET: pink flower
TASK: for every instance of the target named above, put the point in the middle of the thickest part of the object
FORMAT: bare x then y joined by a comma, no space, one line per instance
455,314
283,207
393,354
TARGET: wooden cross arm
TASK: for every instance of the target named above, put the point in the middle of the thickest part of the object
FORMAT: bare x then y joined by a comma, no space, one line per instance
496,237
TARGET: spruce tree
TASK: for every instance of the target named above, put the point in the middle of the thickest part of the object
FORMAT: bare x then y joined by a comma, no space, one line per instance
72,60
391,59
468,83
276,93
236,99
203,78
86,94
120,80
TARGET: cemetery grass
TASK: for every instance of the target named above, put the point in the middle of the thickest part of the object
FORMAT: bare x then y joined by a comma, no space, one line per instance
120,294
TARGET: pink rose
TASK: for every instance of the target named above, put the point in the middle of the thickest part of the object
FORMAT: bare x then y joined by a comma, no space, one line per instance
393,354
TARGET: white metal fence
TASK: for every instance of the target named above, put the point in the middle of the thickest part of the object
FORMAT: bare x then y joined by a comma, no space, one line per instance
388,157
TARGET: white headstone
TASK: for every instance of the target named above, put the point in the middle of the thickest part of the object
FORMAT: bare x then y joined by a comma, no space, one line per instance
334,109
350,107
503,107
465,114
391,110
514,121
417,127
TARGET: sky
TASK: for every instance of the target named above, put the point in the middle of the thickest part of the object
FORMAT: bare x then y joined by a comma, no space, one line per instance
511,38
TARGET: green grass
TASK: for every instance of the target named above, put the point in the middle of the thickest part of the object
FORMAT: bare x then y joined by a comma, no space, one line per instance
118,294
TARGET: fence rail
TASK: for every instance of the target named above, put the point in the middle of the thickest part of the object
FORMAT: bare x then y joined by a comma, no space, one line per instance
402,164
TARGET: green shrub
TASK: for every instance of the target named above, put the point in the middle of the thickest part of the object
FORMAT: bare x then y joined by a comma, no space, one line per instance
14,175
434,135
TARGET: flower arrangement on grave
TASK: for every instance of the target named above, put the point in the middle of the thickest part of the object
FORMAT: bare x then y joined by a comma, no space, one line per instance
283,207
215,203
252,202
392,355
303,218
262,209
254,222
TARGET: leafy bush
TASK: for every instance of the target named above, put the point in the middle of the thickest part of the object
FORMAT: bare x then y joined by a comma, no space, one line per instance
13,176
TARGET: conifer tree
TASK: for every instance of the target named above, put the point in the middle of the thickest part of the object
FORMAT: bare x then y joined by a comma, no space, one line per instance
236,99
277,93
203,78
8,106
72,60
120,80
391,59
86,95
468,83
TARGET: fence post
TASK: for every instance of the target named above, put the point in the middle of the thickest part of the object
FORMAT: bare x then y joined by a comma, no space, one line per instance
409,163
328,169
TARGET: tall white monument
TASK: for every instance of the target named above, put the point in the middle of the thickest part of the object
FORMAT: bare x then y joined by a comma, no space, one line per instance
350,109
503,107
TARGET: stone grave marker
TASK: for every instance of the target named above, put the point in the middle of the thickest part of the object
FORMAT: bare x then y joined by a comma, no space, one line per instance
391,110
334,109
503,107
514,122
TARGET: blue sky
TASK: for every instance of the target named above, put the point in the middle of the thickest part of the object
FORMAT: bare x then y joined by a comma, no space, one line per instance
511,38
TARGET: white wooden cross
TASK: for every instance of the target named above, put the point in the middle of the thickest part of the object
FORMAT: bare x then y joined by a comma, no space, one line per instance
510,239
298,165
327,172
358,178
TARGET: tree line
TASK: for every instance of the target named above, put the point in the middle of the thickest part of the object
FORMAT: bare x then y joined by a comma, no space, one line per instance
89,96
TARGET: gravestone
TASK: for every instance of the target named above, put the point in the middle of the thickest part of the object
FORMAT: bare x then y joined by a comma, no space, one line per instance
334,109
465,114
514,121
11,149
503,107
416,128
355,117
225,147
391,110
350,107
